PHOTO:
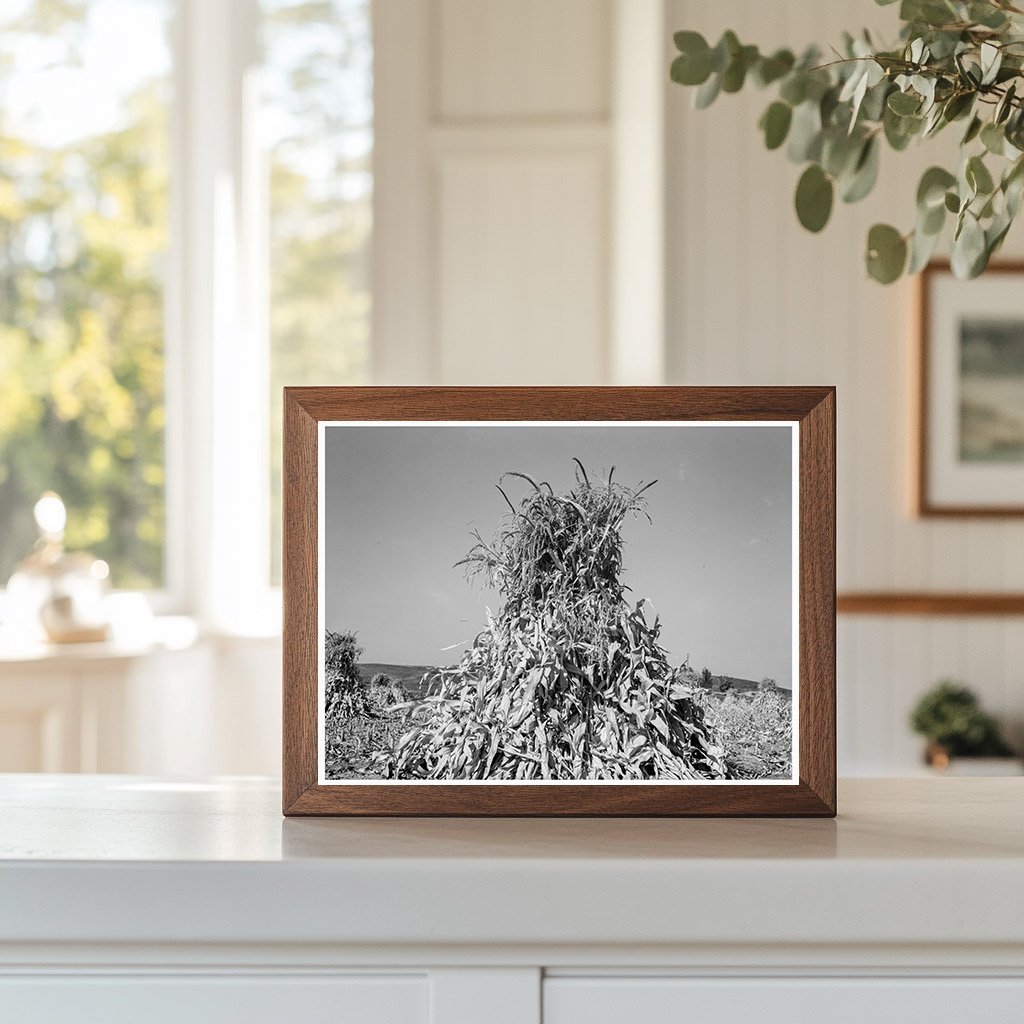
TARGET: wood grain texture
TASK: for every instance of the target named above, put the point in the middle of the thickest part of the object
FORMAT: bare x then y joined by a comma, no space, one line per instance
925,603
812,407
923,503
299,597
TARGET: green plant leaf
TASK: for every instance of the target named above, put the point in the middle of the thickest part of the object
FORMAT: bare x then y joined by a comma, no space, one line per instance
978,176
693,65
814,195
725,49
865,173
805,133
968,255
840,152
993,138
794,89
735,74
775,124
707,93
973,130
958,106
900,130
1005,105
991,57
922,248
934,184
904,103
931,221
988,15
886,254
771,69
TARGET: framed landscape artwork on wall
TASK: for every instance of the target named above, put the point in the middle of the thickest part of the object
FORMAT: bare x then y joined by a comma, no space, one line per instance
572,601
970,450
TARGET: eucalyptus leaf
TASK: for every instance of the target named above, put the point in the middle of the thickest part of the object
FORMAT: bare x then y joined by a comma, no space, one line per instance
904,103
958,106
993,138
771,69
1005,105
969,250
707,93
724,51
931,191
900,130
814,196
987,15
886,253
978,176
794,88
865,173
973,130
922,247
775,124
991,60
694,66
840,152
805,133
735,74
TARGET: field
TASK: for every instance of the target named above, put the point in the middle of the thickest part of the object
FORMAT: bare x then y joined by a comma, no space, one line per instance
754,725
568,680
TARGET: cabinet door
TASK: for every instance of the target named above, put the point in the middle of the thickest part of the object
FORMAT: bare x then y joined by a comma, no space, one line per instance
783,1001
202,999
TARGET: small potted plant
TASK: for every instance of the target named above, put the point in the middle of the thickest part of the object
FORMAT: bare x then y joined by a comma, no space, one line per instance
950,718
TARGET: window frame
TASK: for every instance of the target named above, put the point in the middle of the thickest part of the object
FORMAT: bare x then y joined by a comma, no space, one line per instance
217,351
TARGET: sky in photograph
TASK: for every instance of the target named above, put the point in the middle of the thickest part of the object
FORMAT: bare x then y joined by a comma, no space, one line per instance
401,503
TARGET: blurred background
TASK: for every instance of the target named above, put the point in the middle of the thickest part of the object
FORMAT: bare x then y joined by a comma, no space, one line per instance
202,201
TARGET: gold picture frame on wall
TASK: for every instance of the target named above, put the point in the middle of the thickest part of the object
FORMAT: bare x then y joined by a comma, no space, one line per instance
970,385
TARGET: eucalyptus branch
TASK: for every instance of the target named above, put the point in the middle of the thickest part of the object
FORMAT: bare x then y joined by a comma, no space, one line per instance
956,61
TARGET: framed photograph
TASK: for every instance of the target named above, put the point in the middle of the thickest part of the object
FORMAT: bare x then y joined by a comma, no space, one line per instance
970,450
559,601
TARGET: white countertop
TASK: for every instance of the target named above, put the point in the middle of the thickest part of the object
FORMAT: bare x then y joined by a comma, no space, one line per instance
122,859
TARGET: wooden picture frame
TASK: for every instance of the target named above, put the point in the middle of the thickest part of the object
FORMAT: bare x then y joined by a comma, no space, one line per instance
935,478
811,412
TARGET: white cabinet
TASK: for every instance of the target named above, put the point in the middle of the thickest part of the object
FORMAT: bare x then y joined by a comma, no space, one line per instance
127,899
216,1000
648,1000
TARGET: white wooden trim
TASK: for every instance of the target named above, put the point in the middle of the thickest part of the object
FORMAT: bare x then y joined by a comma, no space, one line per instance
530,137
220,391
637,342
497,995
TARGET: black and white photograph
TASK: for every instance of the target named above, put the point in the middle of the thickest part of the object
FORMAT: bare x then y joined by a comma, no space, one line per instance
557,602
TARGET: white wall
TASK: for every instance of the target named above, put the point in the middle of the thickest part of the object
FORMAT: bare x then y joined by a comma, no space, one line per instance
754,299
502,132
518,240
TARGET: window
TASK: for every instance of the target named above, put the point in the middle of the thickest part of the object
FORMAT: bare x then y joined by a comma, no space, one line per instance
185,222
83,235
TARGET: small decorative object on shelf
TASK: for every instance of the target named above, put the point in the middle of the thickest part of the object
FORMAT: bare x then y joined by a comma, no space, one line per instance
55,593
962,738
